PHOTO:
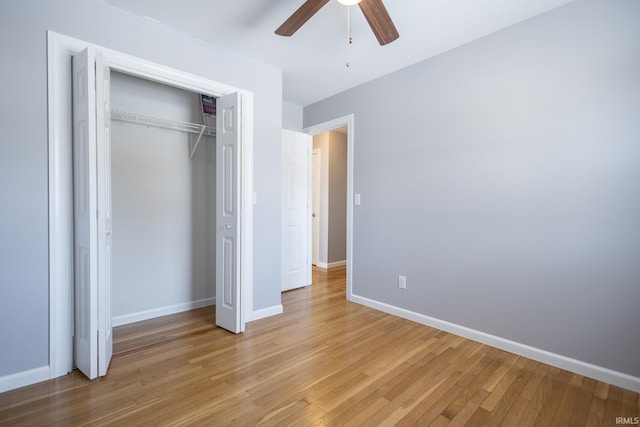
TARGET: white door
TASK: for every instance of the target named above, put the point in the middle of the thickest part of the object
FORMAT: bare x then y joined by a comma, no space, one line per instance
85,220
103,165
315,205
228,174
296,227
92,215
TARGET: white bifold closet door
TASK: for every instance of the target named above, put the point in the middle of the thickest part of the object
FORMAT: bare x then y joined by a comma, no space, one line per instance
93,340
228,205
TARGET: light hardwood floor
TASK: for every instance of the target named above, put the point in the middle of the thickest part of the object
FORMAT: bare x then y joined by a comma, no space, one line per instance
325,361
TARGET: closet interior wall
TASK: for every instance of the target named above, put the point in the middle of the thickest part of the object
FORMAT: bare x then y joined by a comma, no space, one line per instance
163,205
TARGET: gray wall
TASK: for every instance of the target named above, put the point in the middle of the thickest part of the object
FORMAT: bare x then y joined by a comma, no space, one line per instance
163,202
503,179
291,116
337,245
321,142
24,287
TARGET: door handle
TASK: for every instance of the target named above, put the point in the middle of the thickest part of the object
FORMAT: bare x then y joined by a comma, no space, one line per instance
227,227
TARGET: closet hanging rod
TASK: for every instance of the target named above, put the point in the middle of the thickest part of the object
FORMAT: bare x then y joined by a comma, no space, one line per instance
157,122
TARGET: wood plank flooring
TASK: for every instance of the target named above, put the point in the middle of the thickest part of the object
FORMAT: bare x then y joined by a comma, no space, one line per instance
325,361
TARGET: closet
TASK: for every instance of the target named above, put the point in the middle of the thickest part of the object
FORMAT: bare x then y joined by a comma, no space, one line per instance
163,193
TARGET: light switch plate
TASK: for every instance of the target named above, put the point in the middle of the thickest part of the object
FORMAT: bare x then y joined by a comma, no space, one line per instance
357,199
402,282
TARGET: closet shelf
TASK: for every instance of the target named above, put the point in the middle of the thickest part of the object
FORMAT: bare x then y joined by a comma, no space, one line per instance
158,122
143,119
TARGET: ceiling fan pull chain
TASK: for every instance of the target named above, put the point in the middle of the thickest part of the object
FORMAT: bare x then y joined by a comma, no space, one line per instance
349,40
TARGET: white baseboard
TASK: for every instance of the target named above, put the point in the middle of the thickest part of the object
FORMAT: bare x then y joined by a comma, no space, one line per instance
162,311
579,367
25,378
267,312
331,264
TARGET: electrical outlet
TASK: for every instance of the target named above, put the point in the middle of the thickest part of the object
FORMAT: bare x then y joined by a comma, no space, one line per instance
402,282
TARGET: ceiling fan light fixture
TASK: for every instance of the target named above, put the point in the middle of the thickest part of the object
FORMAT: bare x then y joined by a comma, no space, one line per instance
373,10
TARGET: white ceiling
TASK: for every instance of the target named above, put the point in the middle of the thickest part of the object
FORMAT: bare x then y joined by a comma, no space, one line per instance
313,60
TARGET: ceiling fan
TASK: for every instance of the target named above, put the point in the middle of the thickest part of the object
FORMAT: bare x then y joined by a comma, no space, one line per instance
374,12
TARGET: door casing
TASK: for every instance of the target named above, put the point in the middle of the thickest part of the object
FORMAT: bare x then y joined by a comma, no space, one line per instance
60,49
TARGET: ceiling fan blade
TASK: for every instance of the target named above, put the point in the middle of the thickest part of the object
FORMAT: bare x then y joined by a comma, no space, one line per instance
300,16
379,21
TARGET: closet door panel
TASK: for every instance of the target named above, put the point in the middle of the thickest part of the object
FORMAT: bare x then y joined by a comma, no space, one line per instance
92,214
85,218
105,221
228,147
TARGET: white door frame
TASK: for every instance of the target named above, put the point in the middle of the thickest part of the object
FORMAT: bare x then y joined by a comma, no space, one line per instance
327,126
60,49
